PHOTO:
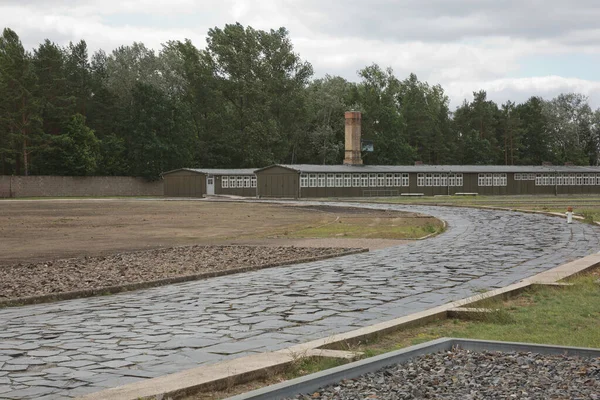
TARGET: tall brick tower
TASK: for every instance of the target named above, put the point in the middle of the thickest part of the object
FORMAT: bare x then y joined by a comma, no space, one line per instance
353,145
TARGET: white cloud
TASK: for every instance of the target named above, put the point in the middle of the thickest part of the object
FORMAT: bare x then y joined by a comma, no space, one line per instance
520,89
464,45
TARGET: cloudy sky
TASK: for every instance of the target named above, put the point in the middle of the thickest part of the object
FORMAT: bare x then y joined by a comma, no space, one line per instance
512,49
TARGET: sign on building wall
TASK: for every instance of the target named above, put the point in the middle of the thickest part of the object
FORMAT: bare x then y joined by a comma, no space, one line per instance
367,145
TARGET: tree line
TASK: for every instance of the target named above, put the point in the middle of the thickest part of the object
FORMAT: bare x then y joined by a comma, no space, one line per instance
248,100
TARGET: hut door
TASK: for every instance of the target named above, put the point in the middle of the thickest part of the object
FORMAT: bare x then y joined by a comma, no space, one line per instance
210,185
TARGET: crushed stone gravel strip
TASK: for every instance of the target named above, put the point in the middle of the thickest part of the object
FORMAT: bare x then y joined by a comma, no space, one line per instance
467,375
28,283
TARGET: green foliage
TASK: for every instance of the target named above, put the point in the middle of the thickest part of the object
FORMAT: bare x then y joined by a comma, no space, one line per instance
20,121
76,151
160,136
570,129
328,99
262,83
308,365
382,122
248,100
112,157
535,144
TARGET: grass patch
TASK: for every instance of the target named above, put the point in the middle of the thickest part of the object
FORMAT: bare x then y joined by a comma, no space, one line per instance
300,367
566,316
309,365
373,228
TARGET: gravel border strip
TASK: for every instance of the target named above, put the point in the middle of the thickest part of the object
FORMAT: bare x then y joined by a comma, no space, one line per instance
313,382
105,290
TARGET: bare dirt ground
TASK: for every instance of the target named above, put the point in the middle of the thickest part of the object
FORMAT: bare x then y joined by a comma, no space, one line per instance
57,246
49,229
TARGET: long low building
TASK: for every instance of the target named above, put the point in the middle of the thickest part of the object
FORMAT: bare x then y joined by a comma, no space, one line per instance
301,181
310,181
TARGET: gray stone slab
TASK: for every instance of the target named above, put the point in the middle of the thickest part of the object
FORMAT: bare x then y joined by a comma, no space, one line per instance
138,373
44,353
303,318
59,371
119,381
49,383
116,364
271,325
76,363
25,361
232,347
27,346
12,353
31,392
141,358
15,367
183,342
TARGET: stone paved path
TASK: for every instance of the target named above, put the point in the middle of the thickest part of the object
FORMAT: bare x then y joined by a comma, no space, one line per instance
70,348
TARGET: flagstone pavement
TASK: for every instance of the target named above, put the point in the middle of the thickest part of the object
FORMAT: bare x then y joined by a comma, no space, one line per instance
70,348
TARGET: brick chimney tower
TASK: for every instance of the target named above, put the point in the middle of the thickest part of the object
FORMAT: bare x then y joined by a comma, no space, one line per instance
353,146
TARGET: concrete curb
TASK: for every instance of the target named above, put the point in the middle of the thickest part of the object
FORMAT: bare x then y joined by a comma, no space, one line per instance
46,298
311,383
237,371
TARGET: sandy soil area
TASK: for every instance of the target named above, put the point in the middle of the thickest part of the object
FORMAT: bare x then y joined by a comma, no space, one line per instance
50,229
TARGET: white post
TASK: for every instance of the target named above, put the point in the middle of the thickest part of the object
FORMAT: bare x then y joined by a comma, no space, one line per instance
569,215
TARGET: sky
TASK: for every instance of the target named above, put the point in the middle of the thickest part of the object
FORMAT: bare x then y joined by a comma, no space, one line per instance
512,49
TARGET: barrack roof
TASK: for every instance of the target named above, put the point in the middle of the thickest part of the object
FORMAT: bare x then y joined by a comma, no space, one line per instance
216,171
312,168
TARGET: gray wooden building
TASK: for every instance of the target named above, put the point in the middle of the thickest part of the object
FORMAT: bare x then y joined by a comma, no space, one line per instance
191,182
184,182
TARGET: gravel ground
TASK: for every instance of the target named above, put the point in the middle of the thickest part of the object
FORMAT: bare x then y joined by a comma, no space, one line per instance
465,375
33,279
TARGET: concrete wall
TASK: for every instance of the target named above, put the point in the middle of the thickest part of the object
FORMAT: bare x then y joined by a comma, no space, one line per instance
64,186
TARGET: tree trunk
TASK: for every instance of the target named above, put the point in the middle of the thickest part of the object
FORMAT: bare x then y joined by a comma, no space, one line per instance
506,147
18,166
24,133
294,154
25,156
512,155
481,134
325,136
